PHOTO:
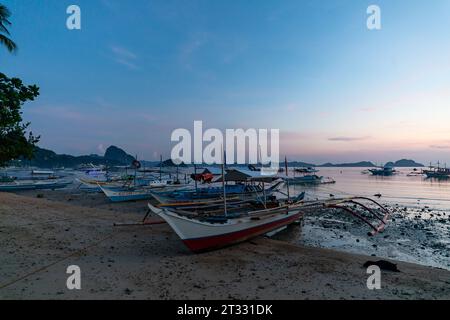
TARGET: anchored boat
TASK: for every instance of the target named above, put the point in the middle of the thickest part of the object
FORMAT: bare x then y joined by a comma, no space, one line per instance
384,171
437,172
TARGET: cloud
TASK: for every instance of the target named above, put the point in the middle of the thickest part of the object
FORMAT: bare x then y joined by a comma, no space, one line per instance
189,48
440,146
101,148
124,57
348,139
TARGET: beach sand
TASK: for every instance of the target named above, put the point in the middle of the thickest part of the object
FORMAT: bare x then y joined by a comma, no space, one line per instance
41,237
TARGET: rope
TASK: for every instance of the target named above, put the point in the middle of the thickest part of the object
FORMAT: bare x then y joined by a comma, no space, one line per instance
3,286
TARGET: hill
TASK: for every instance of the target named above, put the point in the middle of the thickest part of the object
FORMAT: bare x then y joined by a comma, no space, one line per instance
404,163
44,158
349,165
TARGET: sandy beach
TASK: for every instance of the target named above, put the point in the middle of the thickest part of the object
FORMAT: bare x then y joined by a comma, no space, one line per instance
41,236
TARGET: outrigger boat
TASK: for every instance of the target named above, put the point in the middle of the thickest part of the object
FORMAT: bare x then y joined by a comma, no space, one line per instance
26,185
241,190
123,194
202,233
306,170
306,179
437,172
384,171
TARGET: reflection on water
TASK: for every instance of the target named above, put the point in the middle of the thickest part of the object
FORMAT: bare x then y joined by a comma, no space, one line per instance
397,189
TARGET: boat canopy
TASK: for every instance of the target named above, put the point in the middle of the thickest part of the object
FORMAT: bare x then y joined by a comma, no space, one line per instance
245,175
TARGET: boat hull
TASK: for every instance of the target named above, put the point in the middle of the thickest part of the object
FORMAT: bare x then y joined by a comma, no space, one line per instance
33,186
200,237
125,195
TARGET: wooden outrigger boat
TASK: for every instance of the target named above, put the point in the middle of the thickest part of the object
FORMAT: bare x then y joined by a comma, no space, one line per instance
202,233
124,194
202,194
437,172
383,171
306,179
40,185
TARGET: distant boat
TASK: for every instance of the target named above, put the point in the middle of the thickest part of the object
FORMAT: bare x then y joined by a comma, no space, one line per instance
306,179
437,172
384,171
306,170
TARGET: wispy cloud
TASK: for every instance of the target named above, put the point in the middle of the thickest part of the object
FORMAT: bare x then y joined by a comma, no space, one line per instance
348,139
443,147
124,57
189,48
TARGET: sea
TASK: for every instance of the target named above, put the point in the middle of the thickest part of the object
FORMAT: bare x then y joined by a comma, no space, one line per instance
405,188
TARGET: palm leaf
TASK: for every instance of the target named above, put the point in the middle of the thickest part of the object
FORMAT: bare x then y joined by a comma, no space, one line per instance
8,43
3,28
4,12
4,15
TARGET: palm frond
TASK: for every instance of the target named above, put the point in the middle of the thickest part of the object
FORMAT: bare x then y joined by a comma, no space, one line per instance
4,12
3,28
8,43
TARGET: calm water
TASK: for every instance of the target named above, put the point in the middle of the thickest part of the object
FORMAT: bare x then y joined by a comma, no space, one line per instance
398,189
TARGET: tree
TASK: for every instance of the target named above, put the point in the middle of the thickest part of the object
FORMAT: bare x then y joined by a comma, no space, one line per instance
4,33
13,141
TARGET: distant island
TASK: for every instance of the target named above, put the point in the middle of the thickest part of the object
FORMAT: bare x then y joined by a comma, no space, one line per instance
115,156
399,163
44,158
349,165
404,163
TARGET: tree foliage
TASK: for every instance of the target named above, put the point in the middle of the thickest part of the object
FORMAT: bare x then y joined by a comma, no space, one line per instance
14,141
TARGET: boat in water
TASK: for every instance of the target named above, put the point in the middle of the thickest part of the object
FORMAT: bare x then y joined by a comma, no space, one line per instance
307,170
383,171
437,173
305,179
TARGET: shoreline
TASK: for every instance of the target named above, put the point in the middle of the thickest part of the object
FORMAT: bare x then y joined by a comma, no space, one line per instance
150,262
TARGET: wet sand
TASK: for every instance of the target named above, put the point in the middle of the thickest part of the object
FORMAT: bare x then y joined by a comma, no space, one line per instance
41,237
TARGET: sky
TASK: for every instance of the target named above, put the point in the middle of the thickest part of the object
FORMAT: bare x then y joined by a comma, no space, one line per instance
337,91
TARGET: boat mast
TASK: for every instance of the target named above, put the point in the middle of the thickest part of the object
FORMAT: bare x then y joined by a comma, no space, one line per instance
160,168
287,180
223,183
135,170
195,177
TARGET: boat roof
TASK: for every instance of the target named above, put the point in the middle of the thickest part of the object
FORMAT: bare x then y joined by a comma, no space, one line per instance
245,175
